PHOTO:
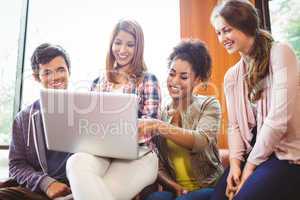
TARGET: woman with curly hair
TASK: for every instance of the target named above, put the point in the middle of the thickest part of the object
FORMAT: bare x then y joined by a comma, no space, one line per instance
187,134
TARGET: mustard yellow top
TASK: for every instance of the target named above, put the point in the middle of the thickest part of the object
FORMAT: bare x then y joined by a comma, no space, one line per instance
180,159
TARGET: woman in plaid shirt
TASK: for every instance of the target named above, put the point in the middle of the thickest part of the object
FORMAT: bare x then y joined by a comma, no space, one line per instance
93,177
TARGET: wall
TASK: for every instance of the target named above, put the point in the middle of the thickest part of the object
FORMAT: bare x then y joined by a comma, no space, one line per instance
195,23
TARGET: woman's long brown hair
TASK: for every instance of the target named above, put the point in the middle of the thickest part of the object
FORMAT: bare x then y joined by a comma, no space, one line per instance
137,65
243,16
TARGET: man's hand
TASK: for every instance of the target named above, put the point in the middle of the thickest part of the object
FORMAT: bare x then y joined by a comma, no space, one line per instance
57,189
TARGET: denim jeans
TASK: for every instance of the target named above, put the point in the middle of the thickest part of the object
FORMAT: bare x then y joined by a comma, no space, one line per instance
274,179
202,194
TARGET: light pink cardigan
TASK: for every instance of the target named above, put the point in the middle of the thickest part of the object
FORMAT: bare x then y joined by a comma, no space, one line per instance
278,111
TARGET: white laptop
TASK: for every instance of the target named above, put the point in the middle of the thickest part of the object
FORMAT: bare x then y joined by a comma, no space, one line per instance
103,124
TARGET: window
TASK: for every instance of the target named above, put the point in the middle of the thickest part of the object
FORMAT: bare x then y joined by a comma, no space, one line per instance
83,28
285,18
10,12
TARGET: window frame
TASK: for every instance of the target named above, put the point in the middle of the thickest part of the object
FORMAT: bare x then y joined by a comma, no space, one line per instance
264,14
20,62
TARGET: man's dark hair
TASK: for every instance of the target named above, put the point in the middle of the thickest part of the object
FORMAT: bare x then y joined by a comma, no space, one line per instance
44,53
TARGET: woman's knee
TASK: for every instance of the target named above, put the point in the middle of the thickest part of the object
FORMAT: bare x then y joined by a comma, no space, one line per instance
151,167
142,173
84,162
151,161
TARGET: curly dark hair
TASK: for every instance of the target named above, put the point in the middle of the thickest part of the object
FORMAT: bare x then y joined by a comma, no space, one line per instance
195,52
44,53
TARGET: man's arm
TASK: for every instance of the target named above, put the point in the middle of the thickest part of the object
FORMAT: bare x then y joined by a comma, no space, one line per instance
19,167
